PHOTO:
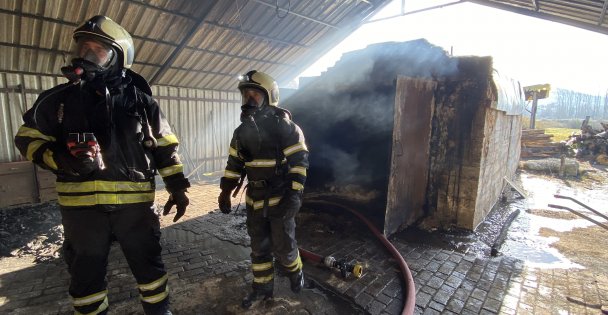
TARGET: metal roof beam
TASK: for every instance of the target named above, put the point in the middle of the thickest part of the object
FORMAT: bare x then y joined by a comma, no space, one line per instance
149,6
271,39
536,5
235,75
62,22
542,15
38,48
239,57
601,21
31,73
157,41
274,6
58,51
219,25
415,11
180,47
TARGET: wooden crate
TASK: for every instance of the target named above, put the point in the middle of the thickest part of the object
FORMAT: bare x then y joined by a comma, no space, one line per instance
17,184
20,185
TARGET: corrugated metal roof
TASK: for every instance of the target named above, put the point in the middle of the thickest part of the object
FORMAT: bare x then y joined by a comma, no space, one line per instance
206,44
585,14
184,43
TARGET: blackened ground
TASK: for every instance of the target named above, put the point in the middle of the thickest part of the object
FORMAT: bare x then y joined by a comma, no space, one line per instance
32,230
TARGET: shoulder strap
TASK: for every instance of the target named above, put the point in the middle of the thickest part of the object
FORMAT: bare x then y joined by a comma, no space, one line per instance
140,82
283,113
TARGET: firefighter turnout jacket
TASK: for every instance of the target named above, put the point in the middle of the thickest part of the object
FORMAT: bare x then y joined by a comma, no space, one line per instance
270,149
116,120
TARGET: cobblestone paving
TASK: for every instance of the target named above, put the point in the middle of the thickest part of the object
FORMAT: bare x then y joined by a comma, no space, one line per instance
207,258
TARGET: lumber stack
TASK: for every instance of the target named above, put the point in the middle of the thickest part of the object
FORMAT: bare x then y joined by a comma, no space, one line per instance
536,144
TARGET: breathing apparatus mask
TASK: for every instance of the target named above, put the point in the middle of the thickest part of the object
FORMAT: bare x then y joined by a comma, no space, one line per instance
253,100
95,63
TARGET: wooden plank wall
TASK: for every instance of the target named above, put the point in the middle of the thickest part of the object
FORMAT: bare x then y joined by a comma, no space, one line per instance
20,185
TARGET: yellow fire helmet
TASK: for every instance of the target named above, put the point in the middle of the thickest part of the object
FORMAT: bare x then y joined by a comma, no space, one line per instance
107,31
262,81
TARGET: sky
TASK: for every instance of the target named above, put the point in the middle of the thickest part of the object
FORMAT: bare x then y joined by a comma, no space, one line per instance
531,50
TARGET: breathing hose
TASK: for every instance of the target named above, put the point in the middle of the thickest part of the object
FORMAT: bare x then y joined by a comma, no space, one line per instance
409,296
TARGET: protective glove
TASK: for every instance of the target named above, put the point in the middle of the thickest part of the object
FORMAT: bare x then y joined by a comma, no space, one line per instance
224,201
74,166
290,203
180,200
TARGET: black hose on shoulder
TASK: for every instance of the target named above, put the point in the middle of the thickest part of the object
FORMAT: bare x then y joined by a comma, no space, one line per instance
409,297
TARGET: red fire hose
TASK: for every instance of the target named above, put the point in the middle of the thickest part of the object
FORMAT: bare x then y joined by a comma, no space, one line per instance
409,296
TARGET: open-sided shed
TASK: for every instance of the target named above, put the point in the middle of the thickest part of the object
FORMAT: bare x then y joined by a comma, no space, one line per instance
192,52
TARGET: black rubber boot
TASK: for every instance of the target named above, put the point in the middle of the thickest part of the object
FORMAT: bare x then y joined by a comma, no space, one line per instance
254,296
297,281
161,308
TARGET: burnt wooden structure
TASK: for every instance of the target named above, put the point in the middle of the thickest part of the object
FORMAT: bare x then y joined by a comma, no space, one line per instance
399,130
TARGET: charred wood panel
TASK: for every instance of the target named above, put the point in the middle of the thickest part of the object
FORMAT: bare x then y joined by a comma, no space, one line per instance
414,105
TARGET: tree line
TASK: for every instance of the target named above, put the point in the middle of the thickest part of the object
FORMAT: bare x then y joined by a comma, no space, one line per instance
567,104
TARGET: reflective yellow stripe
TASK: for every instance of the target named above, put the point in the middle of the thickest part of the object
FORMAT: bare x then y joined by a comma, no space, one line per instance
260,204
102,185
102,307
171,170
105,199
32,148
232,152
298,170
90,299
296,265
33,133
261,267
167,140
263,279
231,174
295,148
47,158
154,284
296,186
155,298
261,163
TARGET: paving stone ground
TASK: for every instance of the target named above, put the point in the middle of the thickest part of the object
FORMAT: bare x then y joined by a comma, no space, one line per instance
207,258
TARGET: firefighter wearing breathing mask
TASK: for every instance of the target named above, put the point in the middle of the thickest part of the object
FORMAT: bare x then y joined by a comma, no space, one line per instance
269,149
105,138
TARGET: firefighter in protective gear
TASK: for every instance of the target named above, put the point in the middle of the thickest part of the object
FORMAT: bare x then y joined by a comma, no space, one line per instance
111,107
270,149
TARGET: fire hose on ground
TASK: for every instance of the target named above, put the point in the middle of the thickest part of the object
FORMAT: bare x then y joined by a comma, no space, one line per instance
409,296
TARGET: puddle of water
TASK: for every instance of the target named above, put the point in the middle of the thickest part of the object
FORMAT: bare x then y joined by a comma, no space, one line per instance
524,241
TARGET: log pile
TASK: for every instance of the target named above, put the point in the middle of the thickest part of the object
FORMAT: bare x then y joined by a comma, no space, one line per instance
536,144
591,144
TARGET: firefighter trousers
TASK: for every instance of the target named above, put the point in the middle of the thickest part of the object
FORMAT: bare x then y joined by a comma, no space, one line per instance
273,235
89,233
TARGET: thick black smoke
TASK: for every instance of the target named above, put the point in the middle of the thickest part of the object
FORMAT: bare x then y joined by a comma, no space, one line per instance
347,112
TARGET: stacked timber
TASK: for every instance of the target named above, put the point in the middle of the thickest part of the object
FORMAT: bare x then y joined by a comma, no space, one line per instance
536,144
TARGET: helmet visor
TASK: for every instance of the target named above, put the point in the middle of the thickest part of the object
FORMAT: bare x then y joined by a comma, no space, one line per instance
253,94
94,51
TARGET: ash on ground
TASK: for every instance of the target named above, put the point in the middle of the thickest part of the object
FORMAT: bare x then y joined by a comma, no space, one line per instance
31,230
